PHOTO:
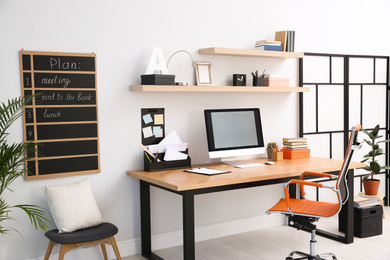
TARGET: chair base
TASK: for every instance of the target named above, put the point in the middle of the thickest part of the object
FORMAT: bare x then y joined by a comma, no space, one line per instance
307,222
302,256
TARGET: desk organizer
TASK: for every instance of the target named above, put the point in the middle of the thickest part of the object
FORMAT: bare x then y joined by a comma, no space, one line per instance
258,82
367,221
165,165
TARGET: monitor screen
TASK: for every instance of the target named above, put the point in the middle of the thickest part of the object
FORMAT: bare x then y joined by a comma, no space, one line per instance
234,132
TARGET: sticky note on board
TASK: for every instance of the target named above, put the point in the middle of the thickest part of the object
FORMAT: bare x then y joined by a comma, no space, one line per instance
147,131
147,119
159,119
160,135
156,130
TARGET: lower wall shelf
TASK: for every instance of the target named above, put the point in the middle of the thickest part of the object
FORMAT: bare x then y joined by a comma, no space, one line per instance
169,88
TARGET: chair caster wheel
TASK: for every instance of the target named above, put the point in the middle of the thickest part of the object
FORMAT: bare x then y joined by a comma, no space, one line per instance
289,258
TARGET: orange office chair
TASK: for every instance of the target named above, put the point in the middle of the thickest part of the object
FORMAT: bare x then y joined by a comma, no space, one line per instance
304,212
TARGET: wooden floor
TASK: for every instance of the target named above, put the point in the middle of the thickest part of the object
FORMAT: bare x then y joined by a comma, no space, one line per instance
276,243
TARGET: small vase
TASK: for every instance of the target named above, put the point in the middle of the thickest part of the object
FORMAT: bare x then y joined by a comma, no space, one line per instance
371,187
270,153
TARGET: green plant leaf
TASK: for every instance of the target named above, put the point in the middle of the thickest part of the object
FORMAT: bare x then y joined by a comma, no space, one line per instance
375,167
37,216
375,131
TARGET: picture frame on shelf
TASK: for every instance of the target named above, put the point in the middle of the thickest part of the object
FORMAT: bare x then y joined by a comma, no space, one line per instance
204,75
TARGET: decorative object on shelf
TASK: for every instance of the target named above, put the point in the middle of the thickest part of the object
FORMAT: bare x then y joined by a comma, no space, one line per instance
271,146
370,184
258,81
157,73
271,80
192,65
12,166
239,80
204,75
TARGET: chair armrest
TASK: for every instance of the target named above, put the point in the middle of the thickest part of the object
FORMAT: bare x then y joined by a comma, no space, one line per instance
301,183
318,174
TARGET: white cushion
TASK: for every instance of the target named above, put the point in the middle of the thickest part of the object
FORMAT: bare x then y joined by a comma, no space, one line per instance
73,206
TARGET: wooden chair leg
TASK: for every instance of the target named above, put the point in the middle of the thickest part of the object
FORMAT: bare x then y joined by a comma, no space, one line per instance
48,251
104,251
63,250
115,247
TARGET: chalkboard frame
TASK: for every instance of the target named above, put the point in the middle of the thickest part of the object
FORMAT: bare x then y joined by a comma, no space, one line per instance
67,83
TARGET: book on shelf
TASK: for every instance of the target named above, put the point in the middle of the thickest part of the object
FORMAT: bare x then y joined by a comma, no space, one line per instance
365,202
287,39
268,42
266,45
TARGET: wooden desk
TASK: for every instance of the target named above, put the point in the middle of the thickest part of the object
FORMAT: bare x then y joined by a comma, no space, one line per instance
190,184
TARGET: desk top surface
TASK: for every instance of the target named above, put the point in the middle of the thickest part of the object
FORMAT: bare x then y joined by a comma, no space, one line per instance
179,180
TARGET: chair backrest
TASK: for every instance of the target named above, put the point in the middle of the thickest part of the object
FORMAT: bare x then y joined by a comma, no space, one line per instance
341,184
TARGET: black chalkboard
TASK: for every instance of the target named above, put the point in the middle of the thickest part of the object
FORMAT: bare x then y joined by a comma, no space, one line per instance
51,149
63,80
63,63
63,116
68,165
65,97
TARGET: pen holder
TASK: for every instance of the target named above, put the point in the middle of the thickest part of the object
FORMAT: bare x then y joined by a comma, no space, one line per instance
257,82
277,156
153,166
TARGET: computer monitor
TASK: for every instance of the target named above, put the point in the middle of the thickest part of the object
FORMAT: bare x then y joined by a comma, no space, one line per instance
233,132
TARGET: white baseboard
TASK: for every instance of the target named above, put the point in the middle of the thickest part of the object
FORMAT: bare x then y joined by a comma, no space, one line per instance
171,239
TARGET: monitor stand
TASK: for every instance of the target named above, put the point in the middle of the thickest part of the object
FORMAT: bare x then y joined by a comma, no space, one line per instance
231,161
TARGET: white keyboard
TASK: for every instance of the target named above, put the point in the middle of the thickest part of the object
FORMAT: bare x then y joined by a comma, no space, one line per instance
248,165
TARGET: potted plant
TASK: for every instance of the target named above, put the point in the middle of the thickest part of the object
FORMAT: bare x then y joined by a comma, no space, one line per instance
12,166
370,184
271,145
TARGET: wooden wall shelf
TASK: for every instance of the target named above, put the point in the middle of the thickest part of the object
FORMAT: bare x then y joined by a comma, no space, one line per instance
168,88
249,53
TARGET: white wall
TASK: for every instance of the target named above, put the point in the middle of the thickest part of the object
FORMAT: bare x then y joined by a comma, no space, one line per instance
122,33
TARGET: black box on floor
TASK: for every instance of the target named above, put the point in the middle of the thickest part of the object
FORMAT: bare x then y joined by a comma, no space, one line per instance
165,165
367,221
157,79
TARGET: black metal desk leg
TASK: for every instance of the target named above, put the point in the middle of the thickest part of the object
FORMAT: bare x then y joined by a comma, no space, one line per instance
188,226
347,215
146,243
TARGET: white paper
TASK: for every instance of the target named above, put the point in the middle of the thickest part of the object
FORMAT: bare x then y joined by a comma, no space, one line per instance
171,138
154,148
172,155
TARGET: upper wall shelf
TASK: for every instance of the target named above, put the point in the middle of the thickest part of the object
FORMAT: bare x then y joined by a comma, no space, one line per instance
168,88
249,53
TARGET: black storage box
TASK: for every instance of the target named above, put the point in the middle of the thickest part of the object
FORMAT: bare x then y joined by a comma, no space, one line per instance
367,221
157,79
165,165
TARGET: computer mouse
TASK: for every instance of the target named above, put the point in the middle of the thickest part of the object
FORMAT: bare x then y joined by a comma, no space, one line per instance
269,163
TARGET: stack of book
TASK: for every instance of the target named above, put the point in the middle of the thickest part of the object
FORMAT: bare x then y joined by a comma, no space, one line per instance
295,148
296,143
365,202
269,45
287,39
